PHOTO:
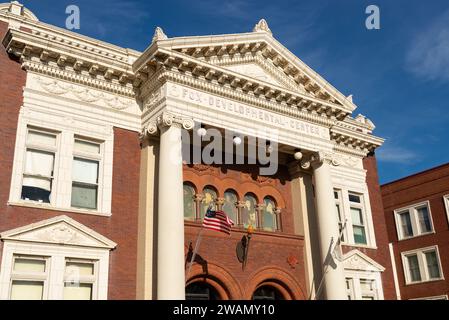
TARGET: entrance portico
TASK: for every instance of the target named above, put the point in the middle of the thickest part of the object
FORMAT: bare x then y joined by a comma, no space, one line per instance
251,85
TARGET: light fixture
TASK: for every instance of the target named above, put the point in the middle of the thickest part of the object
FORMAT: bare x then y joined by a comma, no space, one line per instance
201,131
237,140
269,147
298,154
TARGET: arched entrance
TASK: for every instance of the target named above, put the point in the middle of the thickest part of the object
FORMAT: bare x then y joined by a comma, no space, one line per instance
267,292
201,291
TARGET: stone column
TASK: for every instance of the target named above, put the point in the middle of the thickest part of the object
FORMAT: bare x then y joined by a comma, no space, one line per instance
240,206
170,255
327,221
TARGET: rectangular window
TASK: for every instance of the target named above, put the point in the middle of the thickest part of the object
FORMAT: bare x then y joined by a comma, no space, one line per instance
368,289
406,224
432,264
39,166
28,278
79,279
358,218
413,221
350,288
422,265
413,267
340,213
85,174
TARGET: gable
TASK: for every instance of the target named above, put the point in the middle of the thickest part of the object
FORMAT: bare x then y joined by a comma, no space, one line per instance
358,261
233,52
60,230
254,71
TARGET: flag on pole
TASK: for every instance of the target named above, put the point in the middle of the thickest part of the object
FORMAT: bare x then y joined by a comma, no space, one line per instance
218,221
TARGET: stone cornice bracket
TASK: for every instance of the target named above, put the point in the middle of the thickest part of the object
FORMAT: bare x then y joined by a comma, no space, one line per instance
262,26
167,119
159,35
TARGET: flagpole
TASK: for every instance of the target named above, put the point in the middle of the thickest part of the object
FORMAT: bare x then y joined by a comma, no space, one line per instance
197,245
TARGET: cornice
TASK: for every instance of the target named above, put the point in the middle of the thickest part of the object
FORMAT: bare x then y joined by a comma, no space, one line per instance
187,65
228,92
67,75
36,46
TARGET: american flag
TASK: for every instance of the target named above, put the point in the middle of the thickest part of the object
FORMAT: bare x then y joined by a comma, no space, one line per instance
218,221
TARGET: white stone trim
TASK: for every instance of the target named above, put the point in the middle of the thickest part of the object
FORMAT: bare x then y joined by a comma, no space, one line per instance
395,271
68,125
414,220
446,205
57,238
359,266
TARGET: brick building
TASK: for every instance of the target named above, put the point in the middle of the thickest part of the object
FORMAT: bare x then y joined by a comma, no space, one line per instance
417,213
101,198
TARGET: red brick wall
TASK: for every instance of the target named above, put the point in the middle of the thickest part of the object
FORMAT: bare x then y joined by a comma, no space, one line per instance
268,252
381,255
121,227
431,185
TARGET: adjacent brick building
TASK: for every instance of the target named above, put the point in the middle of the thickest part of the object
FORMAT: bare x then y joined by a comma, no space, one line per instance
416,215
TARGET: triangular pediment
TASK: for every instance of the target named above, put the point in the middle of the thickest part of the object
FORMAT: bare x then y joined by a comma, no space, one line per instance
60,230
356,260
260,56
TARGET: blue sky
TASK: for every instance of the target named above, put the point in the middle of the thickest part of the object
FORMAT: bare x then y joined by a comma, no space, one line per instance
399,75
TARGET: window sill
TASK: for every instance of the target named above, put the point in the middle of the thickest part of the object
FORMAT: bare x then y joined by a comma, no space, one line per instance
363,246
46,206
424,282
417,236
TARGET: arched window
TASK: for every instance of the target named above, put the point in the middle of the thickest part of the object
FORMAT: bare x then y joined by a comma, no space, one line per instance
189,202
229,205
209,197
201,291
267,293
249,213
269,214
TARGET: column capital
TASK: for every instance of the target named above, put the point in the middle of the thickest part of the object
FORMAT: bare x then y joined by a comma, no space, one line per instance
318,158
168,119
220,201
165,119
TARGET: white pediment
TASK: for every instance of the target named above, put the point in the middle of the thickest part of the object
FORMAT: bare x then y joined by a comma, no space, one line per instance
358,261
254,71
60,230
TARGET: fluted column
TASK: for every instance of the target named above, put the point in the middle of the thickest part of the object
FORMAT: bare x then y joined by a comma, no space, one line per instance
170,263
334,285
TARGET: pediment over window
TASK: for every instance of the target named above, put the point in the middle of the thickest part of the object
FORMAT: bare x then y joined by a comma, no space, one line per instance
358,261
59,230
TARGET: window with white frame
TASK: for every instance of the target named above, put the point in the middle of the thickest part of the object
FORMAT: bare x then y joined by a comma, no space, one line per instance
85,174
38,173
49,268
63,169
359,288
80,279
29,277
446,204
340,213
354,217
358,218
413,221
422,265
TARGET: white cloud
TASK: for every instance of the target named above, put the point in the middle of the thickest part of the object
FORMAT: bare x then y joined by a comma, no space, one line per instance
396,154
428,56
